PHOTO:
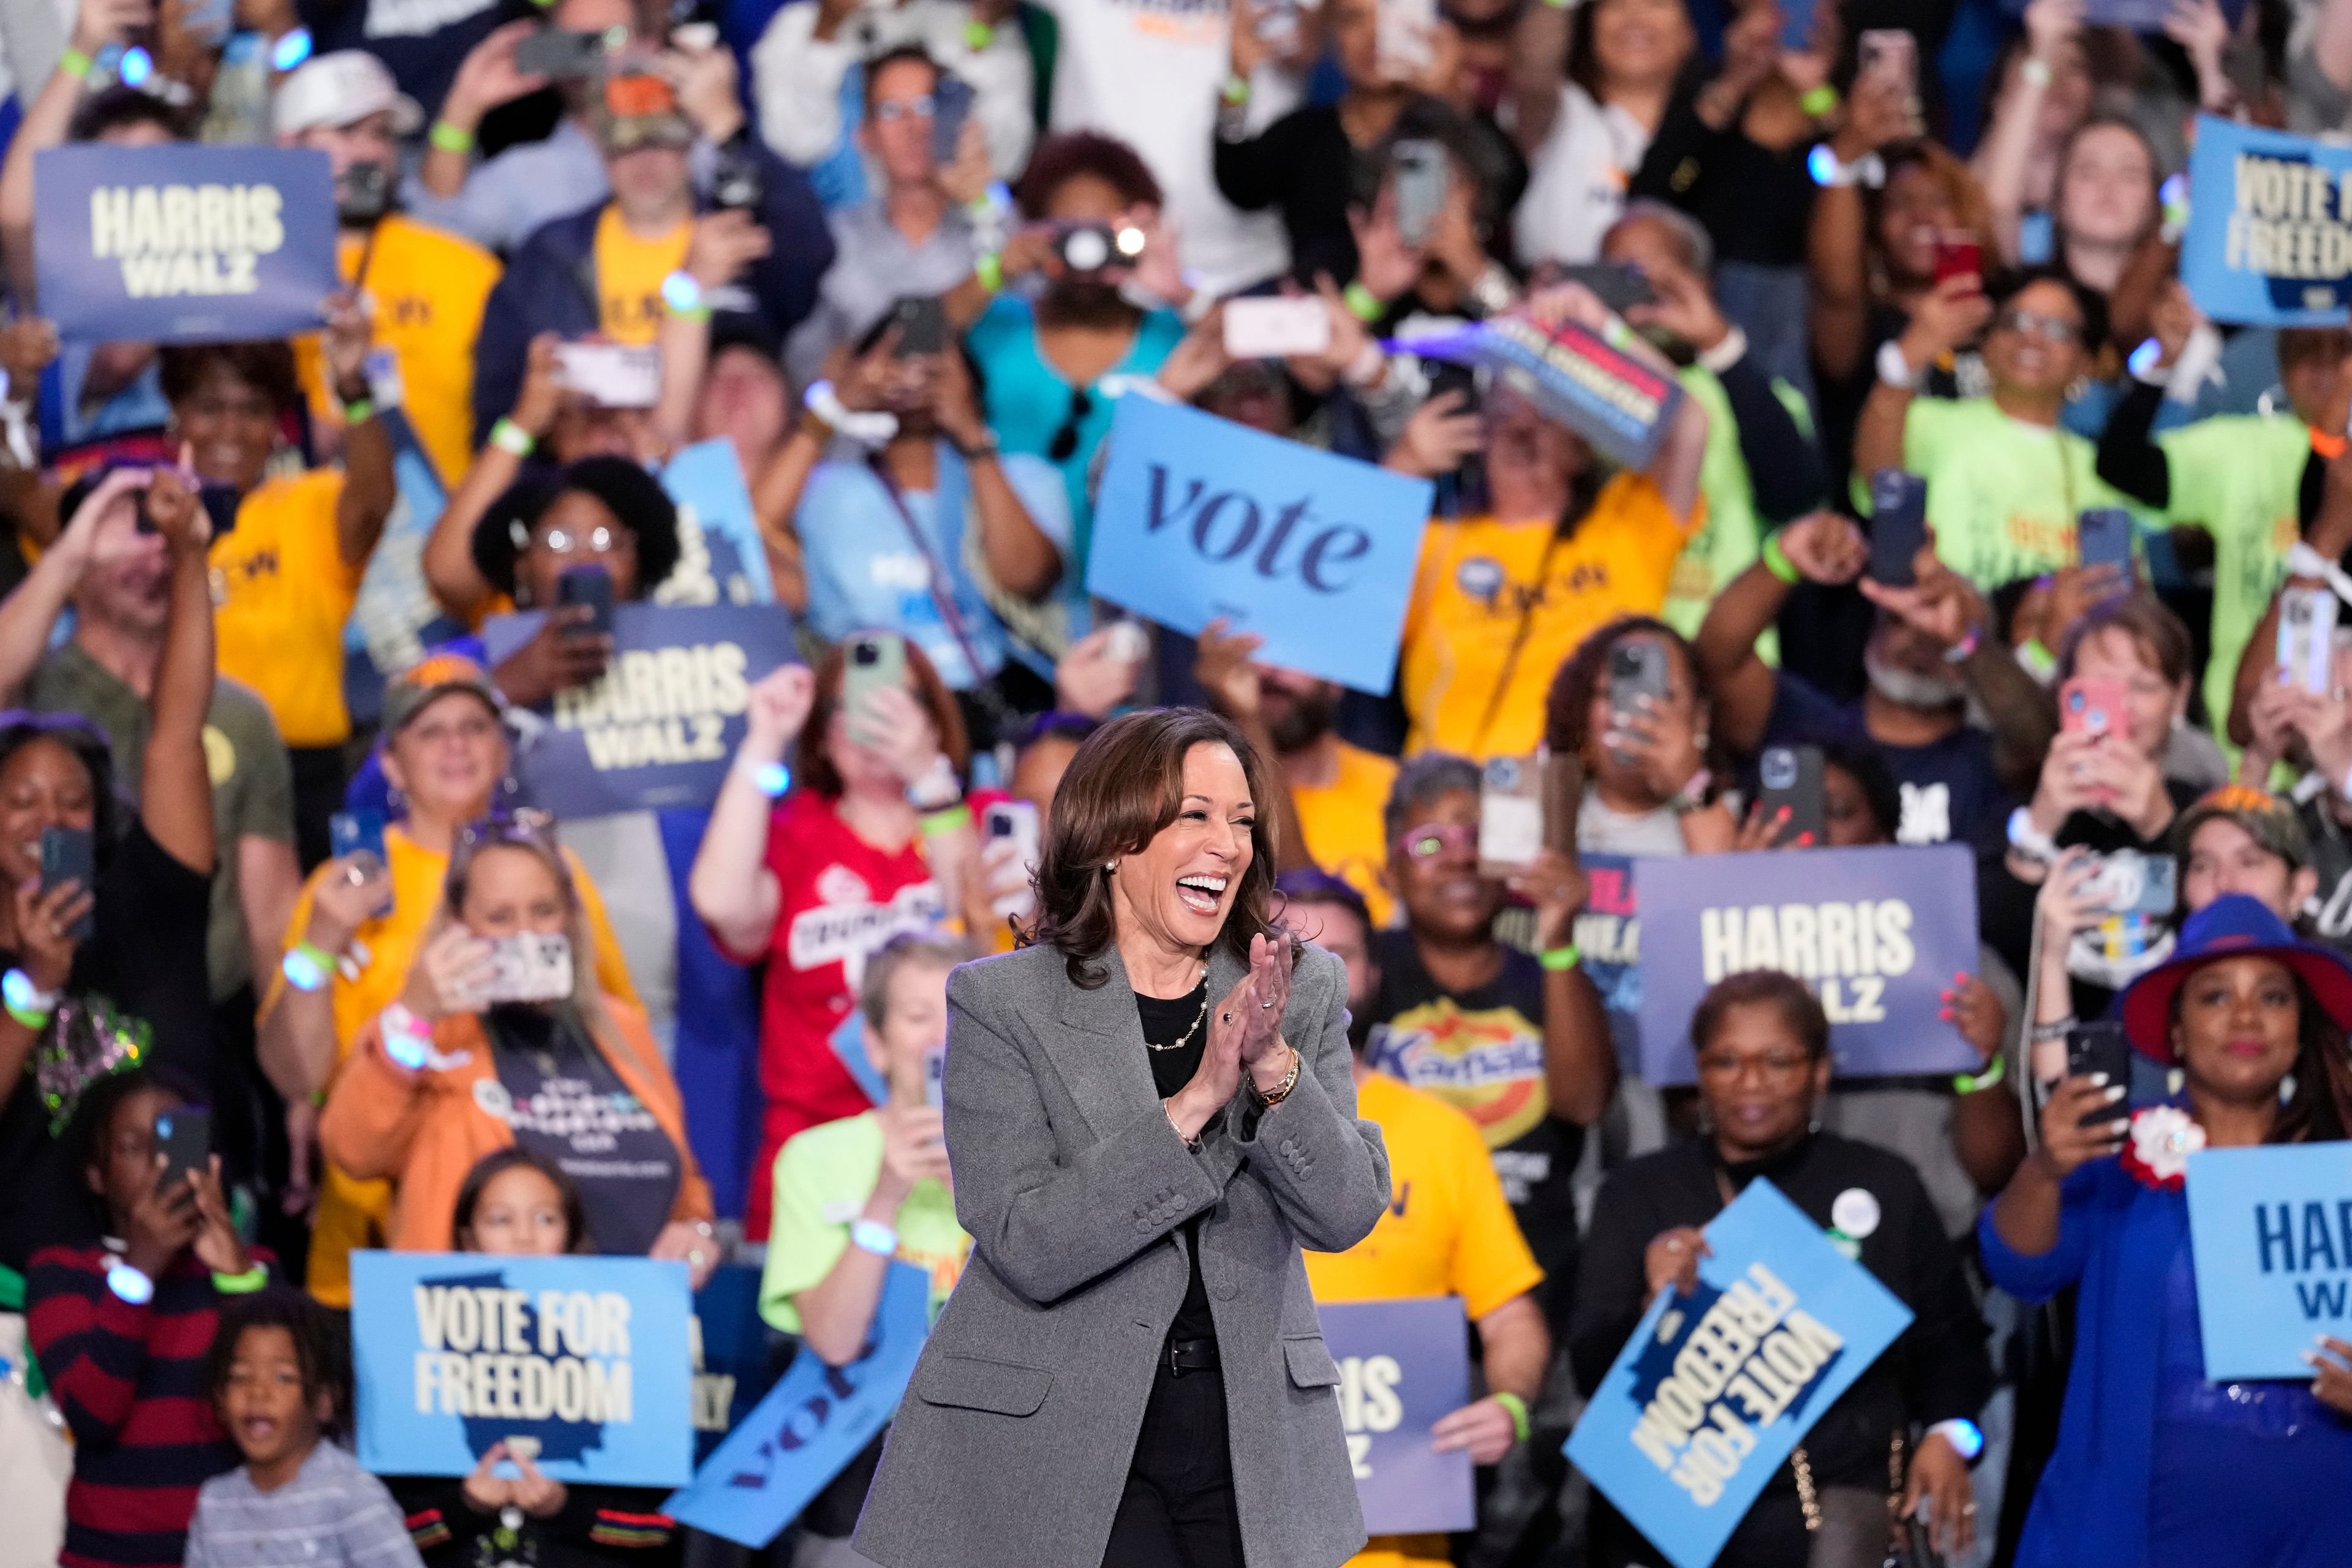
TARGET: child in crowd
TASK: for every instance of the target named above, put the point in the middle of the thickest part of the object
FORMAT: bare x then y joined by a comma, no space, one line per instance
520,1204
281,1382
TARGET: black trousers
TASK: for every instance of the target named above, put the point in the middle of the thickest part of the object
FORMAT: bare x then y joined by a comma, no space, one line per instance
1178,1509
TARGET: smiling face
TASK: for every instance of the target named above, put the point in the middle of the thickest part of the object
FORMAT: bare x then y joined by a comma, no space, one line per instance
2035,345
2237,1028
1914,212
271,1417
229,425
576,531
42,785
1758,1081
448,759
1433,869
518,1213
2106,192
1178,889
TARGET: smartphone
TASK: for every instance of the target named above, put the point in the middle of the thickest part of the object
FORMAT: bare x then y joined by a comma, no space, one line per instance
1898,527
935,1078
2306,638
1510,815
560,53
875,661
612,375
1424,174
1445,376
2091,704
529,967
1619,285
2103,537
1890,52
1959,259
2126,882
922,323
1275,327
1791,777
183,1136
951,106
220,503
70,854
358,835
1637,669
738,184
2099,1048
1129,642
592,586
1015,820
1405,35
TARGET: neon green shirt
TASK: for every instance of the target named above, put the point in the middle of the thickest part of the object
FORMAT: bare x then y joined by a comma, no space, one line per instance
2002,495
824,1177
2240,478
1732,535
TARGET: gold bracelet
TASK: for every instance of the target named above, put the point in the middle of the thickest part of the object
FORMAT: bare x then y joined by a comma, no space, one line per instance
1282,1091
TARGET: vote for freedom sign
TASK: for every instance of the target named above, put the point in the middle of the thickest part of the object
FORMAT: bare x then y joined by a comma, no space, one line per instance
2271,1233
583,1363
1715,1388
1878,934
183,243
2269,241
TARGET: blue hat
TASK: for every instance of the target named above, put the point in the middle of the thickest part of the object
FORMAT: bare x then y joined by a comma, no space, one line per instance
2236,925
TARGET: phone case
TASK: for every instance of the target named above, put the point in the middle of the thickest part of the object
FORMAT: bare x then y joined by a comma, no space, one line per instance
1898,526
1510,815
2306,638
1791,777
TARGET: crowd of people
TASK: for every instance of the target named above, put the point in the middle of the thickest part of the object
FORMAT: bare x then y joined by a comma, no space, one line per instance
270,869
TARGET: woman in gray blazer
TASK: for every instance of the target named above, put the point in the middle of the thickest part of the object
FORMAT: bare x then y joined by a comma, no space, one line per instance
1149,1112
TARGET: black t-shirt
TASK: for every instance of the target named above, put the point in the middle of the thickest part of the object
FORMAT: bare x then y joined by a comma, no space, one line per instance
1184,1020
1481,1052
1950,792
563,1101
145,957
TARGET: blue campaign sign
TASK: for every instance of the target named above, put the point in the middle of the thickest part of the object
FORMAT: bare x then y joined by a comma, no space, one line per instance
2271,1230
1878,932
585,1358
733,1369
1403,1364
2270,226
657,732
812,1423
1199,517
182,243
1715,1388
1608,933
720,557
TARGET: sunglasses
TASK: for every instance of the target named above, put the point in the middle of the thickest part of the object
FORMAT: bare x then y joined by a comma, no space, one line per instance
1065,443
1430,840
2050,329
527,825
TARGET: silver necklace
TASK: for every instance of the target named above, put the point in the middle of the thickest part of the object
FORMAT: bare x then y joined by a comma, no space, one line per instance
1190,1029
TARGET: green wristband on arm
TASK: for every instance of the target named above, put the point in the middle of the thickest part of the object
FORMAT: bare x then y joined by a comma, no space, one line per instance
1777,561
1518,1409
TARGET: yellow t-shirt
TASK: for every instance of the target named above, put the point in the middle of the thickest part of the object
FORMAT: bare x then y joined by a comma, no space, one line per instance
351,1212
282,593
1341,821
1447,1232
629,273
1485,586
429,287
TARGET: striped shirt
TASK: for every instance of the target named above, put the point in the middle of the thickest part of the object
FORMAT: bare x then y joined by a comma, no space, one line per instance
130,1382
333,1514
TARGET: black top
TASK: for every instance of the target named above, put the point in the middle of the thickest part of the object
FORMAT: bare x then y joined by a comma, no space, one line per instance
1304,167
1936,1370
146,957
1186,1019
1755,203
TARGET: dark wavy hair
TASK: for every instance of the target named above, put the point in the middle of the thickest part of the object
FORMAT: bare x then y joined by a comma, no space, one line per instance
1585,671
1123,788
1061,159
20,729
321,1348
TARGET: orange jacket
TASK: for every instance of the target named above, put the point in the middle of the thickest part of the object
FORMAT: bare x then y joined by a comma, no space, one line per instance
425,1129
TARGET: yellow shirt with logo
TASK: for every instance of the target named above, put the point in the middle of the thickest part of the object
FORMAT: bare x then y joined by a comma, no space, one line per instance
353,1212
1341,821
1447,1232
1498,606
629,273
282,593
428,286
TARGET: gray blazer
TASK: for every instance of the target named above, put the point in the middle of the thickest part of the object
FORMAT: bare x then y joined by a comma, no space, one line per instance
1012,1444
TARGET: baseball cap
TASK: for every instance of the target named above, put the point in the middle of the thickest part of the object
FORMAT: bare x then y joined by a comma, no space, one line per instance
432,677
2265,818
341,89
636,109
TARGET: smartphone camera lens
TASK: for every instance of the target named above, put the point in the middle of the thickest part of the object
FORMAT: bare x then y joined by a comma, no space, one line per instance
864,654
1778,769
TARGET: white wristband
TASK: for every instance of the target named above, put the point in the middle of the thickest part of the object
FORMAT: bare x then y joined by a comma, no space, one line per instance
1895,367
872,1236
1726,353
874,429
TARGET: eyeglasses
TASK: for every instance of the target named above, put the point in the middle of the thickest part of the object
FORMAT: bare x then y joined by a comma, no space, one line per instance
1065,443
889,110
1431,839
597,541
2052,329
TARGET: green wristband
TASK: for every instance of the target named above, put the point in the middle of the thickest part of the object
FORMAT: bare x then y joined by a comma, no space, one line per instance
75,64
359,411
449,138
1362,303
1560,960
990,270
1822,101
938,824
243,1284
1518,1409
1968,1083
1777,561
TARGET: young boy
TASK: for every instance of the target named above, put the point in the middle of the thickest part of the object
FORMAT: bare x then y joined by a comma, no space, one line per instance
281,1383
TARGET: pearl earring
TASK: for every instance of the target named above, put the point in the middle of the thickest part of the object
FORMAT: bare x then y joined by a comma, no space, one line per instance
1110,865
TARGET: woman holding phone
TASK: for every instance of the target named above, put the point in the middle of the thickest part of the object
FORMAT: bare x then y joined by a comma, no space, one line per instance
812,863
501,1036
2156,1463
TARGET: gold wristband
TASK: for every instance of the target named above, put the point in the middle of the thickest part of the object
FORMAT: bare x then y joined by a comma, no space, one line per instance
1281,1091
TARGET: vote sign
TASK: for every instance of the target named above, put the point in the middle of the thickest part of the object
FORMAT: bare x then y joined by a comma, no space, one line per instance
656,734
1403,1365
2269,240
1200,518
583,1363
2271,1233
182,243
1877,932
1715,1388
